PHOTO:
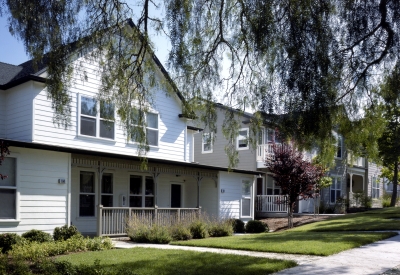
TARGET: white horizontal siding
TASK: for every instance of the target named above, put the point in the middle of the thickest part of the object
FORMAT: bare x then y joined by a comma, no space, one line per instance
18,108
171,127
230,198
42,201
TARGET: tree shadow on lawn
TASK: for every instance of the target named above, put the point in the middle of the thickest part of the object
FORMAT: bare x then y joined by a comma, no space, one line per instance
173,262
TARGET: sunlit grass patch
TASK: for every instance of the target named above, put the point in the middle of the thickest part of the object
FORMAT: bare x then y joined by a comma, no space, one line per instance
310,243
175,262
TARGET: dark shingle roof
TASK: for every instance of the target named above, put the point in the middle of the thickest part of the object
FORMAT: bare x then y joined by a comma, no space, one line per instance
12,75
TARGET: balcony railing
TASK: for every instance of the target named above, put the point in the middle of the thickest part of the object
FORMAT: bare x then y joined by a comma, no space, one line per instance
271,204
112,221
360,162
264,152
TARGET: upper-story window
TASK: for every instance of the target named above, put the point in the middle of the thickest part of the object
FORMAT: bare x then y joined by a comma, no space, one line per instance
339,146
8,190
150,130
207,145
268,136
93,123
242,141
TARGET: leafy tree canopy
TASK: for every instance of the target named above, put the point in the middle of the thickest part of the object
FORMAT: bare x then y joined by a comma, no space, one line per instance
313,61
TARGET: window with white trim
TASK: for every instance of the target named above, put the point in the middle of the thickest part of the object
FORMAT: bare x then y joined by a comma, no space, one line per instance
242,141
8,189
107,190
86,194
272,188
335,189
150,130
339,146
246,198
268,136
93,123
375,188
207,145
141,191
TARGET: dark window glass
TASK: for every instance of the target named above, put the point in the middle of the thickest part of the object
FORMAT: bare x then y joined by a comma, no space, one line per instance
87,182
149,201
135,201
107,184
86,205
88,106
107,129
107,200
136,185
152,137
88,126
7,203
149,186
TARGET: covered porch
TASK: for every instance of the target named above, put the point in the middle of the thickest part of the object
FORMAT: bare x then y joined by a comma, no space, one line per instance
105,192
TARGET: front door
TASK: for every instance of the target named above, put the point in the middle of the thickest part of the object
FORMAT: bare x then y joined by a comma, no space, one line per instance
176,190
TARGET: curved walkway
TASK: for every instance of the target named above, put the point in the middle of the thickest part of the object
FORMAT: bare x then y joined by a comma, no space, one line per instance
372,259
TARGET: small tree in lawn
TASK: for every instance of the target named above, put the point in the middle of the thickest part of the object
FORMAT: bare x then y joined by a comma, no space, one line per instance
295,176
3,153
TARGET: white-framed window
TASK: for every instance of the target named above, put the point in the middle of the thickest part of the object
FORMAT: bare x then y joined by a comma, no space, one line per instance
150,130
8,189
335,189
375,188
242,141
206,144
94,123
339,146
107,190
268,136
246,198
272,188
141,191
87,194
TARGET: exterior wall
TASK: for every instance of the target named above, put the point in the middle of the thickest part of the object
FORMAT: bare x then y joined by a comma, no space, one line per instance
230,186
121,179
2,114
42,202
171,127
247,157
18,106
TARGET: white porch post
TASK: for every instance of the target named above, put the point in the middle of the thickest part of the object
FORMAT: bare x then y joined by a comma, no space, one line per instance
198,178
351,183
155,175
99,212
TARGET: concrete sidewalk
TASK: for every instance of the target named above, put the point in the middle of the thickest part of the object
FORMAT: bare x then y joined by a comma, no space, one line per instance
375,258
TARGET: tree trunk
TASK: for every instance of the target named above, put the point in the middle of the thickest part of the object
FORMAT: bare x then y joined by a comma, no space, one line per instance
290,216
395,179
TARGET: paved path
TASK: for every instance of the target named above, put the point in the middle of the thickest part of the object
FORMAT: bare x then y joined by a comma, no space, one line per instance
372,259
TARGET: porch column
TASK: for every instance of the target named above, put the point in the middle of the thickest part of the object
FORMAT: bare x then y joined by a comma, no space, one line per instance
98,193
198,178
351,183
155,175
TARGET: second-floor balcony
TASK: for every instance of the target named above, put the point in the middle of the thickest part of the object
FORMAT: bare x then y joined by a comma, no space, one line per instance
264,152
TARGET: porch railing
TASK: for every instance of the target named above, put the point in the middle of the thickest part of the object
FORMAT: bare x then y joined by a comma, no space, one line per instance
271,203
112,221
265,151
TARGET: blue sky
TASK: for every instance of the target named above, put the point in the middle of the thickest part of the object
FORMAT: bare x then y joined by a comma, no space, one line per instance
12,50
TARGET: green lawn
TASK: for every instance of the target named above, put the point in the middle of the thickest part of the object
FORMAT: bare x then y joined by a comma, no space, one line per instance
375,220
311,243
174,262
321,238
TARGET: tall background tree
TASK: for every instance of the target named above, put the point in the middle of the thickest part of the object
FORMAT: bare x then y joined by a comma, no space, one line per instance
389,145
313,61
297,177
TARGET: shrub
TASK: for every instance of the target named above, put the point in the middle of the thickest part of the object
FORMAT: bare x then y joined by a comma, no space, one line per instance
64,233
238,226
180,232
142,231
255,226
7,240
220,228
198,229
38,251
37,236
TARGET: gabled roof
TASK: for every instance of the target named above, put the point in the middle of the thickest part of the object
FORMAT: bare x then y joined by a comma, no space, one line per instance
13,75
